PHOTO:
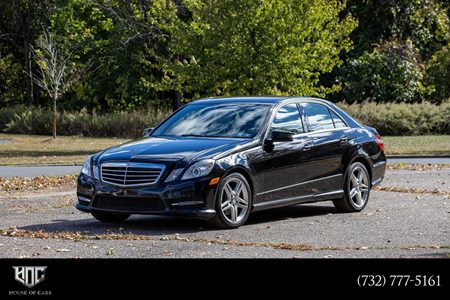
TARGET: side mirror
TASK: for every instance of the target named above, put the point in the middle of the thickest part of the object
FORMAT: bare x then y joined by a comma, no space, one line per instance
279,135
148,131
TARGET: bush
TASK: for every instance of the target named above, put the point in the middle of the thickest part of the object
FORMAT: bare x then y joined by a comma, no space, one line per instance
389,119
392,72
439,74
117,124
7,114
401,118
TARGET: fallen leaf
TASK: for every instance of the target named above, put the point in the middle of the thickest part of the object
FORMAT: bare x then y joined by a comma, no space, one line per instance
62,250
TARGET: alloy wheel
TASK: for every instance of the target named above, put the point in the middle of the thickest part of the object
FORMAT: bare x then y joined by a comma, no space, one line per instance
234,198
358,187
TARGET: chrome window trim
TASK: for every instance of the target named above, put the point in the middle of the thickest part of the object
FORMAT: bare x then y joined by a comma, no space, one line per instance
328,107
162,167
299,101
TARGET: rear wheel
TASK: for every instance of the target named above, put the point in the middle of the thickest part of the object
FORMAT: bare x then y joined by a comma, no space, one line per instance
356,189
233,202
110,217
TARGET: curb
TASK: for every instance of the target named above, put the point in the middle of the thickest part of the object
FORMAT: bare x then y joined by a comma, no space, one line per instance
416,156
38,166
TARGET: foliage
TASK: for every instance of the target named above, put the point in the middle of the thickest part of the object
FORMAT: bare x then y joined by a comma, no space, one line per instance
392,72
374,72
256,47
389,118
439,74
8,113
134,54
116,124
403,119
424,22
11,90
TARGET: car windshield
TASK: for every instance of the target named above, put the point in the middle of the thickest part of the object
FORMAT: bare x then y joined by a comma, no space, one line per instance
233,120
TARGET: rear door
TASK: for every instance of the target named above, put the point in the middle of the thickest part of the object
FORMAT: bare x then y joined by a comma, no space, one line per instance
330,136
289,164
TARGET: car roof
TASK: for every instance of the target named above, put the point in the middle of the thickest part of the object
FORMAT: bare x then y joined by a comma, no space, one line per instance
253,99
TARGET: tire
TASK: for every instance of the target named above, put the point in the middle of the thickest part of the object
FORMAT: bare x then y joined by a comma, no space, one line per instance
356,189
233,202
110,217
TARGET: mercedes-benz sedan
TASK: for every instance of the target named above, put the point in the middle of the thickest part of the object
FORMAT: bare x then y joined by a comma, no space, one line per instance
221,159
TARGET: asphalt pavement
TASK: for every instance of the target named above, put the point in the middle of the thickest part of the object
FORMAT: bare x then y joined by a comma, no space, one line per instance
394,224
32,171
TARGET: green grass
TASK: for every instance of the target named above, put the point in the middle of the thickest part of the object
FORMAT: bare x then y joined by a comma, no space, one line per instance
36,149
417,145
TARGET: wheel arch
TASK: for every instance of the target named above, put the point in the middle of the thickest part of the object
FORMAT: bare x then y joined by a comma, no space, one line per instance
361,159
244,172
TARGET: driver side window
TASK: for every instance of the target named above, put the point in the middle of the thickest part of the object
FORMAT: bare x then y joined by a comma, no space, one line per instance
288,118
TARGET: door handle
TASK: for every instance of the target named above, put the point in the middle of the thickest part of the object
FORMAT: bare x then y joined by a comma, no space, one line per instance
307,147
344,139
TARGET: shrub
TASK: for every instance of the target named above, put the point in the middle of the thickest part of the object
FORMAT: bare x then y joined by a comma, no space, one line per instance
401,118
439,74
117,124
389,119
392,72
7,114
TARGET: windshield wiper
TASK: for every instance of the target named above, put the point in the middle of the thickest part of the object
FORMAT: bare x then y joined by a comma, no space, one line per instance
194,135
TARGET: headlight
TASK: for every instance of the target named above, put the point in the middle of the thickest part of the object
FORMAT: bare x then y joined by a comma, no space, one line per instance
201,168
174,175
86,170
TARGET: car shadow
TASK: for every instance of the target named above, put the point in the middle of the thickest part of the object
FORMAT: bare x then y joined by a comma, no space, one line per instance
163,225
290,212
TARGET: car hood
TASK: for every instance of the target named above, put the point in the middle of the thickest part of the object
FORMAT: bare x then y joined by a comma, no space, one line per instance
169,149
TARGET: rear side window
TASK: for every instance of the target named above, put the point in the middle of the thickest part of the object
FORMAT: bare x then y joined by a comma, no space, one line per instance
338,123
288,118
318,116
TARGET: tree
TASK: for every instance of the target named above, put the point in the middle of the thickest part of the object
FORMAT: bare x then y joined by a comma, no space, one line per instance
424,22
53,70
393,72
238,47
438,71
18,18
140,34
394,41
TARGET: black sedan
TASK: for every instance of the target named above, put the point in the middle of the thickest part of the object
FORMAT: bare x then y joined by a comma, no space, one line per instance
220,159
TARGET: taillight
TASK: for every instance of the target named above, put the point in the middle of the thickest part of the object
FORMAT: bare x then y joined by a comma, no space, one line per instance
379,142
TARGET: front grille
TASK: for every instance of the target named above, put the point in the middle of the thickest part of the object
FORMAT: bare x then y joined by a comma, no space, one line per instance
131,174
137,204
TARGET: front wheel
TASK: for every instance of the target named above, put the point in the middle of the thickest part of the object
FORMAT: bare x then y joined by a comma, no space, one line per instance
110,217
356,189
233,202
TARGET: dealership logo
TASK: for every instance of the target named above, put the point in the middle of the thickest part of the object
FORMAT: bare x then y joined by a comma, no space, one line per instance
29,276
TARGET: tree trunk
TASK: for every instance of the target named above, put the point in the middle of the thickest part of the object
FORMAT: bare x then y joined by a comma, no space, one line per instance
54,118
176,101
28,55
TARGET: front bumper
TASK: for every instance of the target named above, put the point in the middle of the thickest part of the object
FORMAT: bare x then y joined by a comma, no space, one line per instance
191,198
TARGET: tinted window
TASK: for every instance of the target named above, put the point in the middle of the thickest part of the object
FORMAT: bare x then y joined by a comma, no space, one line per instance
288,118
318,116
224,120
338,123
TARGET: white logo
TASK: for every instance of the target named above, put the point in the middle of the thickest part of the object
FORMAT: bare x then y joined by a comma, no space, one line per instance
29,276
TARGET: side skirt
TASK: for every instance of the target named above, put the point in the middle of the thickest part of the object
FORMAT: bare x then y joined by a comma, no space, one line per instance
298,200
